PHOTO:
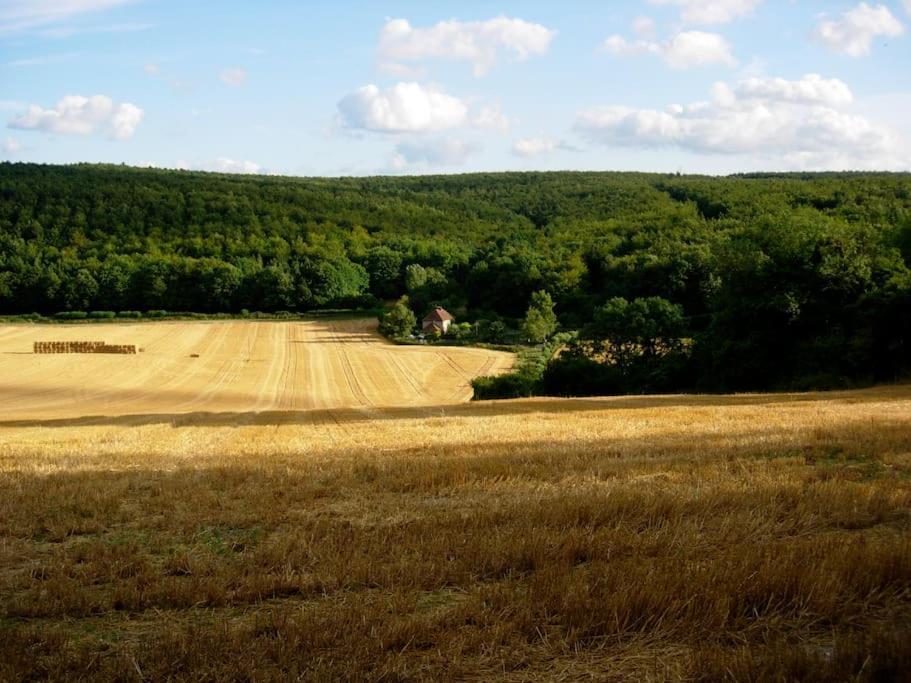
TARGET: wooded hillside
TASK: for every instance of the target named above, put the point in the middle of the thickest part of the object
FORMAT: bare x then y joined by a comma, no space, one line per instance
718,283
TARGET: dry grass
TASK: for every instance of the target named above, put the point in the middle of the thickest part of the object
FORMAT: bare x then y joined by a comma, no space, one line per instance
229,366
654,538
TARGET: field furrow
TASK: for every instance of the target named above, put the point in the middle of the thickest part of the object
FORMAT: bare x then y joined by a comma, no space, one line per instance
343,367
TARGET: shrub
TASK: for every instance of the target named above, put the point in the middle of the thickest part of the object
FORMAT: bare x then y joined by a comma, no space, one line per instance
71,315
129,314
577,375
156,314
512,385
399,321
105,315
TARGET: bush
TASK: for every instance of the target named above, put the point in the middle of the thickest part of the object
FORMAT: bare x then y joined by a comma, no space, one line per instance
513,385
576,375
525,379
399,321
71,315
104,315
129,314
156,314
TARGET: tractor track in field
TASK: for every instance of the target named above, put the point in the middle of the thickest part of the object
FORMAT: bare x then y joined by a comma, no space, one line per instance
354,386
193,370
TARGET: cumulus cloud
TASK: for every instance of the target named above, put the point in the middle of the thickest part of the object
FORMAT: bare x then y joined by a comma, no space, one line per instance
431,153
644,27
75,114
711,11
811,89
802,123
684,50
491,117
11,146
855,31
402,108
532,147
234,76
17,15
223,165
477,42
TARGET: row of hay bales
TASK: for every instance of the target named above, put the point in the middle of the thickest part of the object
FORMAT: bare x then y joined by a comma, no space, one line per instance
82,347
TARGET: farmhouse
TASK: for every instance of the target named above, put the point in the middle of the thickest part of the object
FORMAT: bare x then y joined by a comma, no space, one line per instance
437,321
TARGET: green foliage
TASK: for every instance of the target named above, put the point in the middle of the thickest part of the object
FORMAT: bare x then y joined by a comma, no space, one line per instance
494,332
399,321
540,320
747,282
525,378
626,330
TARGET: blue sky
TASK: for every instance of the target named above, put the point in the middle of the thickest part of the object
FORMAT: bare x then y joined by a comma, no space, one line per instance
352,88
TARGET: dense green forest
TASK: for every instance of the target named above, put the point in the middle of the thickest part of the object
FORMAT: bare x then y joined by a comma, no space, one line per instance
672,282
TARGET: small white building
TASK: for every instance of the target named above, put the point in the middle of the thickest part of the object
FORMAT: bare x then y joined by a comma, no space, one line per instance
437,321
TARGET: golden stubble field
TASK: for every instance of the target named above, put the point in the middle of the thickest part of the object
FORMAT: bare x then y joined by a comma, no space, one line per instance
233,533
241,366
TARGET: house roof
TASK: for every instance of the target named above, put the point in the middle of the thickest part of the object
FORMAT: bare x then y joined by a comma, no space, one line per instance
438,314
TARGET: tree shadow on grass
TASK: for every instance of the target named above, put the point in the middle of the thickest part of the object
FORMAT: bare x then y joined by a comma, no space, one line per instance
479,409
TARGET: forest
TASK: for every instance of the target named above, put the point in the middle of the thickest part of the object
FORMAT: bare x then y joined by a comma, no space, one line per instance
642,282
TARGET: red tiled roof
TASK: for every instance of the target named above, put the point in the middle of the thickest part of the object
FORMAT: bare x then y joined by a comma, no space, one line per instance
438,314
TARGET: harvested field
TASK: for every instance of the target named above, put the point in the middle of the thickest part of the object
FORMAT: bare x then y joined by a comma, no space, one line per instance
241,366
261,534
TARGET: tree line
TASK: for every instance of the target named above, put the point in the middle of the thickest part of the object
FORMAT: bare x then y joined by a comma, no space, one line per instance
670,282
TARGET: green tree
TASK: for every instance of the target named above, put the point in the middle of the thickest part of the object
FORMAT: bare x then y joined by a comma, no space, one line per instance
385,269
644,328
399,321
540,320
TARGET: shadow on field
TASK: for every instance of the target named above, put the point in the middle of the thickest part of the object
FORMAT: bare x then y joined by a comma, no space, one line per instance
480,409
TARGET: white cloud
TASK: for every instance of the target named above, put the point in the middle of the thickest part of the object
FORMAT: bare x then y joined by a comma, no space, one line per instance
75,114
478,42
811,89
796,122
532,147
44,59
402,108
67,31
855,31
11,146
907,4
235,76
711,11
431,153
491,117
644,27
17,15
684,50
223,165
151,69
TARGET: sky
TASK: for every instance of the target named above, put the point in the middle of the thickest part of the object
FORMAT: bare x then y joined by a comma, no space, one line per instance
374,87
